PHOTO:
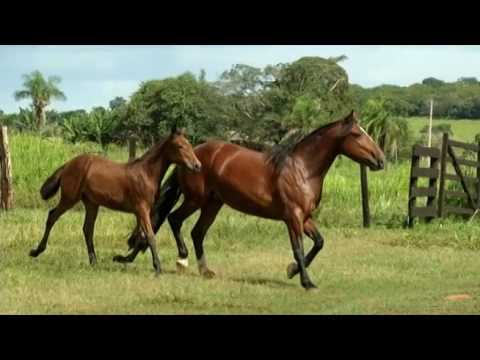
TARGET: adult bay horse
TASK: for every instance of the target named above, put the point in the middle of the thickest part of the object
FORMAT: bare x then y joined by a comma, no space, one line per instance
131,188
285,186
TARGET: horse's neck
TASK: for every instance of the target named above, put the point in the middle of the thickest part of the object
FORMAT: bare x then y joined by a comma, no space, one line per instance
316,156
155,163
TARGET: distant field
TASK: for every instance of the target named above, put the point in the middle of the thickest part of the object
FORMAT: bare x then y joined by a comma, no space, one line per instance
463,130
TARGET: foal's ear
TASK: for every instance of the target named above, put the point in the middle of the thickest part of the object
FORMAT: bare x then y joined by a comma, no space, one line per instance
174,129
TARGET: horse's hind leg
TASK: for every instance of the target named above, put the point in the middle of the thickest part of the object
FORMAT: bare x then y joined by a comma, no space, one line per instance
91,212
176,219
311,231
207,217
53,216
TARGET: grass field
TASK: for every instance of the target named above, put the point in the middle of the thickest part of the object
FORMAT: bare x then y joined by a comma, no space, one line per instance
383,270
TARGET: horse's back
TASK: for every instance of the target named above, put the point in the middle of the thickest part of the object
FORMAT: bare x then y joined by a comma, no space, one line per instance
240,177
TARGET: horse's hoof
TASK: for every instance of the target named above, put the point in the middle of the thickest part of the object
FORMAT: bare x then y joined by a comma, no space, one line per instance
33,253
310,287
182,265
208,274
292,270
119,258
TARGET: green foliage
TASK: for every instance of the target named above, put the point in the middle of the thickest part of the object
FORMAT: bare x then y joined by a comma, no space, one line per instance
392,134
183,100
456,100
98,126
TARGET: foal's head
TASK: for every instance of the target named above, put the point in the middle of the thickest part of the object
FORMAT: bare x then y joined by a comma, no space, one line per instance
179,150
358,145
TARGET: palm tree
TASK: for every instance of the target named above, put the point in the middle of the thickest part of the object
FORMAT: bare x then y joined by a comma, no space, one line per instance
41,91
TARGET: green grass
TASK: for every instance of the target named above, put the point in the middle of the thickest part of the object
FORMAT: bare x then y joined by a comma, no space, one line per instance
377,271
383,270
463,130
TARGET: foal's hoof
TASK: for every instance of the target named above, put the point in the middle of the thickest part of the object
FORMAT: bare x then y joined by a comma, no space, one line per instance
208,274
292,270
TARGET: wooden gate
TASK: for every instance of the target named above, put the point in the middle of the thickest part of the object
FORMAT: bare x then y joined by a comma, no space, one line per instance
470,185
469,189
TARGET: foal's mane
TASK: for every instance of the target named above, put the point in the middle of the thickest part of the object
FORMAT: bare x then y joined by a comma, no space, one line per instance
279,153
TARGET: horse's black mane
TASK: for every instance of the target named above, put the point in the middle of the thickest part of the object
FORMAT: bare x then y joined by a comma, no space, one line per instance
280,152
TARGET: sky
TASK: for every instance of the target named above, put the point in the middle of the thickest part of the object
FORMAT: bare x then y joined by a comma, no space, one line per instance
94,75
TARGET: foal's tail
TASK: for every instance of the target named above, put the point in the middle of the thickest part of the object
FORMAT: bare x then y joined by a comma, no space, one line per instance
51,185
169,194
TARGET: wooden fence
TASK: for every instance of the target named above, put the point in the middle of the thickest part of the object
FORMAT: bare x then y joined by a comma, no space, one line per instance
466,188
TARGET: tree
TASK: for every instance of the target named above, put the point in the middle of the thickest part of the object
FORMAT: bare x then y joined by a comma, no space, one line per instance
183,100
117,102
431,81
41,92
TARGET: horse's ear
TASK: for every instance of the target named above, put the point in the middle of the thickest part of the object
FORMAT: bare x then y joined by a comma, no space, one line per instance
352,117
347,124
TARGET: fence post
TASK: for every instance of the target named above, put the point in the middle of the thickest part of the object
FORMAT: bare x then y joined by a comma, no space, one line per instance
132,148
443,170
412,200
365,203
6,171
432,183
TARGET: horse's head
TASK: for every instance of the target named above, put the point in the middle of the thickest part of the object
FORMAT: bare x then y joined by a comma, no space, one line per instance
180,151
358,145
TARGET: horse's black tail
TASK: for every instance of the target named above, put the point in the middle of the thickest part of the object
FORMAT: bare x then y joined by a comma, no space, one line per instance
51,185
169,194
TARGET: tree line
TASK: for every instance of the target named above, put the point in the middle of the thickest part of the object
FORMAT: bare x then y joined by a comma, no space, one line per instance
256,107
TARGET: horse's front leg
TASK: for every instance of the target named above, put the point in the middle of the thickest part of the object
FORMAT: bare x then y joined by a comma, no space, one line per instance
295,230
311,231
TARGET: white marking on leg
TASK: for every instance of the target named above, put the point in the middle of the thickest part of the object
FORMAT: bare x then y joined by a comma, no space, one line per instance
182,262
202,264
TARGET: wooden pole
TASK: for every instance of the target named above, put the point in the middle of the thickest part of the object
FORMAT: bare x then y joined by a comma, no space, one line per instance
443,170
132,148
365,203
430,125
6,171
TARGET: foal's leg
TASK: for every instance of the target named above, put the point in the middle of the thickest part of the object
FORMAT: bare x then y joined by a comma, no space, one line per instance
144,217
176,219
208,215
53,216
295,230
91,212
138,247
311,231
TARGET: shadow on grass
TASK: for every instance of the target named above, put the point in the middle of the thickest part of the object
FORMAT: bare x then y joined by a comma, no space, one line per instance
264,281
